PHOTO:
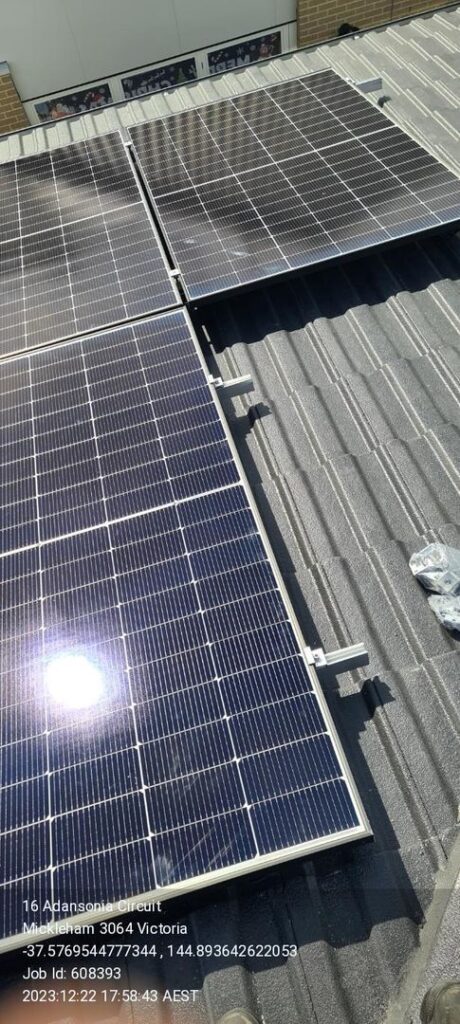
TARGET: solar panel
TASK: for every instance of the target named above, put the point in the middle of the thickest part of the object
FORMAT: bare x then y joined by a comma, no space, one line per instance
77,246
286,177
160,728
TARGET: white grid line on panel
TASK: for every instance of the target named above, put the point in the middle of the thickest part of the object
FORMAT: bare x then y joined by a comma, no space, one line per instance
303,201
120,519
214,817
271,163
387,169
69,223
164,697
159,593
21,249
247,197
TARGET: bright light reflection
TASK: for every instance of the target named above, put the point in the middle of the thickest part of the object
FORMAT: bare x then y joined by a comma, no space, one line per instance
73,681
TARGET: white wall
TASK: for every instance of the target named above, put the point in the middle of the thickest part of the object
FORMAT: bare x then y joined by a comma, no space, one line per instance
55,45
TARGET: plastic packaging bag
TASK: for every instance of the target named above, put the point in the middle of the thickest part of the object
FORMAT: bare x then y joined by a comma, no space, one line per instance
447,610
437,567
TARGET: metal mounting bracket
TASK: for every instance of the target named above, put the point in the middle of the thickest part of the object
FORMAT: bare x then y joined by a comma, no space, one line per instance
369,85
335,662
233,387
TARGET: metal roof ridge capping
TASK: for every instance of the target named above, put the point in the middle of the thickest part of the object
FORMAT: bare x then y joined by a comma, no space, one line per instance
286,177
162,729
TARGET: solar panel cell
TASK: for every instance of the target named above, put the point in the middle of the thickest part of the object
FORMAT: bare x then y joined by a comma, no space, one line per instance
182,755
92,782
177,712
108,875
24,760
287,721
200,797
81,833
25,796
254,578
233,137
315,811
28,855
315,120
87,738
172,674
191,851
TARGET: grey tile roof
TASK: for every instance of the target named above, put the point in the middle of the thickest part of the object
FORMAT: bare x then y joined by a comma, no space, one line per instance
354,459
351,447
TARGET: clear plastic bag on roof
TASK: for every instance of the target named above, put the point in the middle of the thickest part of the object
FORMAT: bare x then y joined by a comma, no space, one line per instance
438,568
447,610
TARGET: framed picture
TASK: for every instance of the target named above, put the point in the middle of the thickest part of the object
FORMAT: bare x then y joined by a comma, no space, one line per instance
156,79
74,103
244,53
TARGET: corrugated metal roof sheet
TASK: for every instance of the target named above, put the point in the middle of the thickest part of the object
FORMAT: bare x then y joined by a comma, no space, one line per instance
353,456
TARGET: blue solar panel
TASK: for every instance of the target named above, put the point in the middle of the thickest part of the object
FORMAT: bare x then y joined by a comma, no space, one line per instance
158,719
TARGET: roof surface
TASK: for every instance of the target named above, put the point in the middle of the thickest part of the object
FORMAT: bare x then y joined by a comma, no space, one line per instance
351,448
419,61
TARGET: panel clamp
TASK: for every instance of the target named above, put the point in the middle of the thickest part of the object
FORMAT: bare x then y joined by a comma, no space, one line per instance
233,387
335,662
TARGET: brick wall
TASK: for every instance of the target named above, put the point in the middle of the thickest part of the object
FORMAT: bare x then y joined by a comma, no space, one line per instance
12,113
321,19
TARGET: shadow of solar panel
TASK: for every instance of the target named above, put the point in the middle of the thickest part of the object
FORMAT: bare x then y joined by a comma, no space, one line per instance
299,173
158,722
77,248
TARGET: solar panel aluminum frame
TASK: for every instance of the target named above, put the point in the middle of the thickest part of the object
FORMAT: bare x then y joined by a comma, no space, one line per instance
324,262
361,831
156,238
